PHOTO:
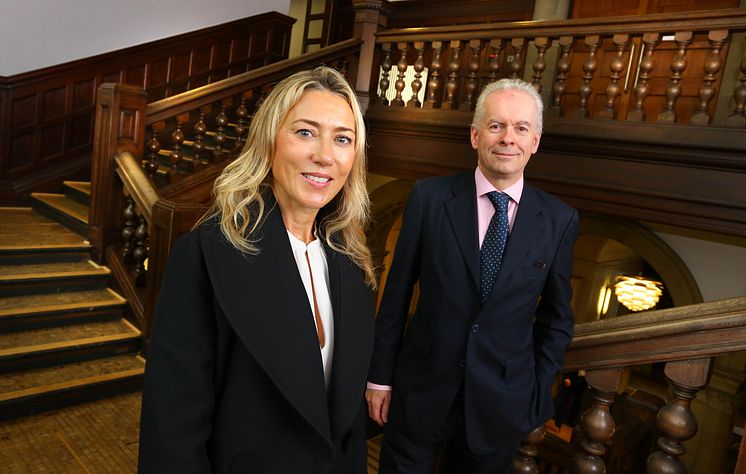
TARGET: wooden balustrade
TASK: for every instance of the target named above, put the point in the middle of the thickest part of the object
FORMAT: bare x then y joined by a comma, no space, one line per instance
154,165
604,68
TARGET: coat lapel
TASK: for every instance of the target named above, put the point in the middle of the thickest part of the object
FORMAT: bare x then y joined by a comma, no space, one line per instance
264,299
527,228
462,212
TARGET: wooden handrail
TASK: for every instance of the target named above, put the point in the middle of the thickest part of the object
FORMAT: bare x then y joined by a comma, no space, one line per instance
733,18
687,332
211,93
137,184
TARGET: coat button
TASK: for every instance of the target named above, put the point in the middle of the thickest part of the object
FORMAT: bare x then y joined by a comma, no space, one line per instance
462,363
475,328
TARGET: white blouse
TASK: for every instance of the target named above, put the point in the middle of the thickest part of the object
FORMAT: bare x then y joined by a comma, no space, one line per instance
320,270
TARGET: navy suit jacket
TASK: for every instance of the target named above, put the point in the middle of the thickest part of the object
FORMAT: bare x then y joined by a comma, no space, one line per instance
505,354
234,380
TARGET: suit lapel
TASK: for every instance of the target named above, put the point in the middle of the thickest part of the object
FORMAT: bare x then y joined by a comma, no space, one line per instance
462,212
264,299
526,229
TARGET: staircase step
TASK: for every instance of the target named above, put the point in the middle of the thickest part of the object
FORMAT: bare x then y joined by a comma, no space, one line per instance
34,278
53,308
78,190
23,350
68,211
22,393
26,236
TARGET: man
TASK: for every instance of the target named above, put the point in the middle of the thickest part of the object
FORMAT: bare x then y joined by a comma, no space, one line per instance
493,257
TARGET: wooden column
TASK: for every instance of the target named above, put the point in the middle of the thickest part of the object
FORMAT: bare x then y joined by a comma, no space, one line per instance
120,126
524,462
596,423
676,420
369,18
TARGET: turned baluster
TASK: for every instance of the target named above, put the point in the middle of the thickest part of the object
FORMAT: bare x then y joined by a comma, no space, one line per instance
540,63
453,68
140,253
220,136
738,117
241,127
678,64
589,67
419,66
154,147
493,59
433,82
642,87
177,139
617,65
471,79
713,63
128,231
563,67
516,65
524,462
676,420
597,424
401,67
200,128
385,71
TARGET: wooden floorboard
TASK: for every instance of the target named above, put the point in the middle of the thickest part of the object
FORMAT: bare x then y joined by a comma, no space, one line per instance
98,437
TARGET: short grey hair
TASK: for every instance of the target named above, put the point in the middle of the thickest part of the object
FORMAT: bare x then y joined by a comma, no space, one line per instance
509,84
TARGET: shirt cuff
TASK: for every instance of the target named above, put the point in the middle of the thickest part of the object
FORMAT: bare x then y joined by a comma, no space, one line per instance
375,386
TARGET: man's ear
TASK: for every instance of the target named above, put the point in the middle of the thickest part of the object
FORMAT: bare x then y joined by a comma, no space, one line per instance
473,136
537,139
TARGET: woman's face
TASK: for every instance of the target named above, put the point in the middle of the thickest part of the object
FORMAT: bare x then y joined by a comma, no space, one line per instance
314,153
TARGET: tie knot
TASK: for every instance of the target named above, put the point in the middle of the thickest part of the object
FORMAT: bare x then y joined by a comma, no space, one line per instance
499,200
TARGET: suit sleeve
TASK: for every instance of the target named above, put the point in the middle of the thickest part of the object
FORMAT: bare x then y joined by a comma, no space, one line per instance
178,398
397,295
553,326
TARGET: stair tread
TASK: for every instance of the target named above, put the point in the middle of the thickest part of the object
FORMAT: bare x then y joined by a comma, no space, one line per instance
50,270
50,302
36,381
82,186
22,228
74,335
65,204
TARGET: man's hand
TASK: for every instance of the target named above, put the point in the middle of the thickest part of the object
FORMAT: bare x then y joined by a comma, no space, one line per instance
378,405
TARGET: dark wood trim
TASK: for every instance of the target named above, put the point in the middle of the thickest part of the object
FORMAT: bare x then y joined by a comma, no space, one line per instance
47,115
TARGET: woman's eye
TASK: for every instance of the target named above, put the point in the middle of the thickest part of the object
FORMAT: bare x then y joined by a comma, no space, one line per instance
344,140
304,132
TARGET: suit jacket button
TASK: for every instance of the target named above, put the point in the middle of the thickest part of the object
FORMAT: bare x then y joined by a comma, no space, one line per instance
475,328
462,363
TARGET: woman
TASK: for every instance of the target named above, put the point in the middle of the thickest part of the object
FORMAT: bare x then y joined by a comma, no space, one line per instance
263,329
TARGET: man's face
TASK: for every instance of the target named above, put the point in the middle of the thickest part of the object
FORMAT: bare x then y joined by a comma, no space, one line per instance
506,137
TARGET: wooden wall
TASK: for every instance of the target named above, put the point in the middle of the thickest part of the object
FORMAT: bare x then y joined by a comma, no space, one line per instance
47,115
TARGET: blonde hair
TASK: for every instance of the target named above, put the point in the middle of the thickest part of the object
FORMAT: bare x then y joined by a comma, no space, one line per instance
240,189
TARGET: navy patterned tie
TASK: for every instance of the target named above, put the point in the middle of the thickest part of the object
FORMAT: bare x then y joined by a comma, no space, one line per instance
493,245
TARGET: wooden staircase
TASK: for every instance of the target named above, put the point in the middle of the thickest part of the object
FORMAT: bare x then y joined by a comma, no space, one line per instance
63,337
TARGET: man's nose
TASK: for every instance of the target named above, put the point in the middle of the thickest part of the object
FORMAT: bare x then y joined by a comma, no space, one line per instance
508,137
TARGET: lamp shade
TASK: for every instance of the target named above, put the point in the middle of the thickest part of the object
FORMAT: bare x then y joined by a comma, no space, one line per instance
637,293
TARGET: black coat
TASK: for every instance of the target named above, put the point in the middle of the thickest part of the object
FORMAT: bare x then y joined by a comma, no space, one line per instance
234,380
504,354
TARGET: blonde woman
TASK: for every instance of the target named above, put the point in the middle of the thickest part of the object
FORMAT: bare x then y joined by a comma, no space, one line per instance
263,330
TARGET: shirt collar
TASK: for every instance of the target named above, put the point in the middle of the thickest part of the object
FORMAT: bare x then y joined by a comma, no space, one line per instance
515,190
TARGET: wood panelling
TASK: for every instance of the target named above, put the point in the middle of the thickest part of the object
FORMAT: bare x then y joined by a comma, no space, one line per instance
692,177
46,116
414,13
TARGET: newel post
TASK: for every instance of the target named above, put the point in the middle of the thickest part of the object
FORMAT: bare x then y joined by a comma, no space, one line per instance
120,126
370,17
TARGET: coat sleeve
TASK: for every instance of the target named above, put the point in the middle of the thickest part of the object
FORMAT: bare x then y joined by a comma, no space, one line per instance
178,394
553,326
397,295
